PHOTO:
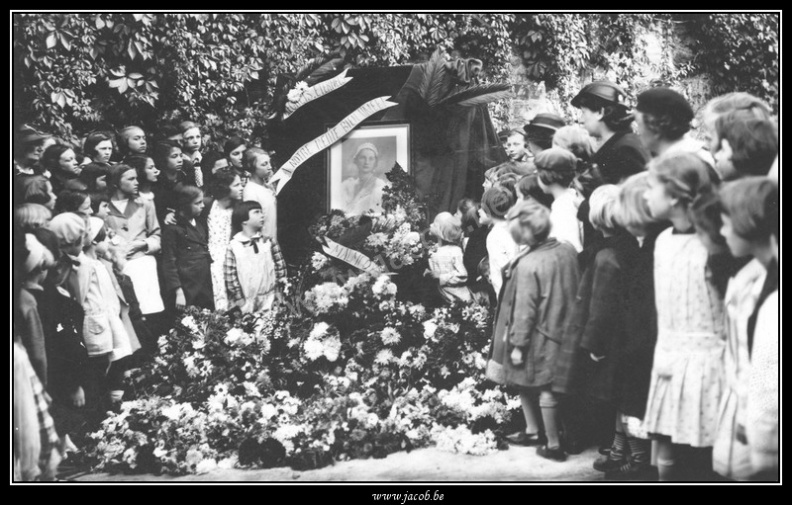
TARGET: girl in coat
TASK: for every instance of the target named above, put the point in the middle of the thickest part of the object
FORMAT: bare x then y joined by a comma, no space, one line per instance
586,363
687,373
531,317
556,170
253,265
747,230
447,263
186,263
226,190
134,221
501,248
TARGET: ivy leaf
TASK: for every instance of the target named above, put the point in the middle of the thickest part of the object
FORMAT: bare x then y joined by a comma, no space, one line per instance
64,40
135,75
131,50
121,84
99,22
51,40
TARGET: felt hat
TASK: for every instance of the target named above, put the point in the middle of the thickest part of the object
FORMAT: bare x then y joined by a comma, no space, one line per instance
366,145
665,102
68,227
604,90
543,126
556,159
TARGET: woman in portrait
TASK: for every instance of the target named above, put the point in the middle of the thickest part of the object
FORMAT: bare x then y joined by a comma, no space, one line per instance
364,192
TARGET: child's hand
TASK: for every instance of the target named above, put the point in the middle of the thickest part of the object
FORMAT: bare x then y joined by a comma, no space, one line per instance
517,357
135,246
170,218
596,359
180,300
78,397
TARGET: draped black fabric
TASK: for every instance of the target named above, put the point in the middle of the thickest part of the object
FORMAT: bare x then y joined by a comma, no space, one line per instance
451,147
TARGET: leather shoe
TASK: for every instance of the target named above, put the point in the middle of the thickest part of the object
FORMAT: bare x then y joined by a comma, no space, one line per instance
522,438
554,454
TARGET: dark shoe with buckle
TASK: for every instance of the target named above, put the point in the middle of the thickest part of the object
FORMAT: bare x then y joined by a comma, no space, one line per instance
632,472
606,464
522,438
553,454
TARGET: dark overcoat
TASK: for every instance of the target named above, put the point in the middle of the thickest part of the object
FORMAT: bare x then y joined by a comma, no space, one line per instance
186,262
597,323
534,310
620,156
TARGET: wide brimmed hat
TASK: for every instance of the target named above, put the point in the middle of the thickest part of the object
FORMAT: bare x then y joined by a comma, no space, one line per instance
604,90
665,102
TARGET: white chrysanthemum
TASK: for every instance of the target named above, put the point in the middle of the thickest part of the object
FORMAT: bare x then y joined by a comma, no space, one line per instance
189,365
384,357
162,341
268,411
206,466
430,328
301,86
319,330
319,261
198,344
405,359
376,240
233,335
332,348
390,336
419,361
173,412
227,463
293,342
294,95
251,389
189,323
314,349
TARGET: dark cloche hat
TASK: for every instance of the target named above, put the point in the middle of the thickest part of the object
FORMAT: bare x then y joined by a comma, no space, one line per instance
665,101
604,90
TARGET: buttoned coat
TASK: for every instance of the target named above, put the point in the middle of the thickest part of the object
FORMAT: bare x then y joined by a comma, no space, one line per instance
186,262
534,309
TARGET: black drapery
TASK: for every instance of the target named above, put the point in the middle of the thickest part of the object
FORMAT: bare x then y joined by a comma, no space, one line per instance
451,147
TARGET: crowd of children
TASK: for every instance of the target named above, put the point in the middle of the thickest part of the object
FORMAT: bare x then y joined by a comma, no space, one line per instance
634,284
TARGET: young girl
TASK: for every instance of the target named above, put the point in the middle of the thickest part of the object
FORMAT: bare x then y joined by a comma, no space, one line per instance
747,230
186,263
531,317
61,163
556,170
37,189
447,264
226,190
30,216
98,148
587,359
258,165
743,145
475,249
234,149
147,174
132,141
134,221
191,145
74,201
253,264
636,345
501,248
687,374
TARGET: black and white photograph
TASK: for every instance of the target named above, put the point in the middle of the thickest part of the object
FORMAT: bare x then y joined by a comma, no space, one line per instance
400,255
359,163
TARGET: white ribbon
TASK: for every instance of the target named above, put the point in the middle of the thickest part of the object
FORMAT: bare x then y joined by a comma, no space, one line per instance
346,125
350,256
316,91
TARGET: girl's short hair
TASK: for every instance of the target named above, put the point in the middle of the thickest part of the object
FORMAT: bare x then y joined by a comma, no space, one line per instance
50,159
576,140
186,195
138,162
468,209
684,175
187,125
754,142
706,216
70,200
603,208
114,178
738,100
529,188
97,197
30,216
633,209
508,181
34,189
123,138
92,140
550,177
209,159
232,143
162,150
534,216
241,214
220,185
616,117
752,205
250,157
91,172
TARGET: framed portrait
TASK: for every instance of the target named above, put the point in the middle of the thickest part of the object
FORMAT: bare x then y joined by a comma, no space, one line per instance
358,162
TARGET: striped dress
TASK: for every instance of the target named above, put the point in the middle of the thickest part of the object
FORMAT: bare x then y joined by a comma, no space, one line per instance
688,372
